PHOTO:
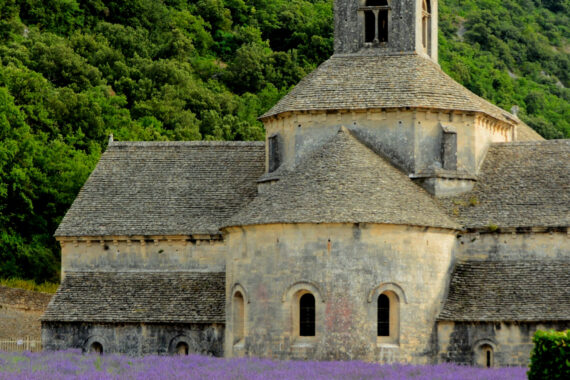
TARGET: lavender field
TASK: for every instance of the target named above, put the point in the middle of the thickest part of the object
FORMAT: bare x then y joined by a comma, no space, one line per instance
74,365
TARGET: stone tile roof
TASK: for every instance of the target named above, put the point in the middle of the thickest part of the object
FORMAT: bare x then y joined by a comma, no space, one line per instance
521,184
165,188
509,291
352,82
151,297
526,133
344,181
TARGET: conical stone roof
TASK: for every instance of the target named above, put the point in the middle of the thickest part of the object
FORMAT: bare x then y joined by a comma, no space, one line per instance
344,181
358,82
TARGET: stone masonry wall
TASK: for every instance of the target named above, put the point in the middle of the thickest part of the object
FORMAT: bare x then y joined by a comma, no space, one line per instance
346,267
511,342
514,246
20,313
119,254
134,339
411,140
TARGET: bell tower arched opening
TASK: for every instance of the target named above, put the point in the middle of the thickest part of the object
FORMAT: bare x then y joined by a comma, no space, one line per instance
426,26
375,21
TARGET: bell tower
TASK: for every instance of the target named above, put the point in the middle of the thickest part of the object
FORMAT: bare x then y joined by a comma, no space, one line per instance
386,27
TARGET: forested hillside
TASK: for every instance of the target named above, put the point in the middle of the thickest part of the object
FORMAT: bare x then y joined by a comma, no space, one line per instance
74,71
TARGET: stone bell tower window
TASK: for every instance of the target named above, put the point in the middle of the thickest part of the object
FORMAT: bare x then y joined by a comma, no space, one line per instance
426,27
375,21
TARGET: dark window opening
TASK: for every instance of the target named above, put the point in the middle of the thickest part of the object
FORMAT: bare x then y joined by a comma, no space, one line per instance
307,315
274,154
369,26
383,26
96,348
239,318
486,356
383,315
449,149
376,21
182,349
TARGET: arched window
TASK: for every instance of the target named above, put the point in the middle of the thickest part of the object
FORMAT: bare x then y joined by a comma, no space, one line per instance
486,359
238,317
426,28
376,21
182,348
307,315
388,317
274,152
96,348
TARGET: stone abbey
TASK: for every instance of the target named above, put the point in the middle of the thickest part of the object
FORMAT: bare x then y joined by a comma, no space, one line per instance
391,215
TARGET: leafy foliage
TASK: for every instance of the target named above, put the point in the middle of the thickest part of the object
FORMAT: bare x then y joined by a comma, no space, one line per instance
550,356
512,53
18,283
73,71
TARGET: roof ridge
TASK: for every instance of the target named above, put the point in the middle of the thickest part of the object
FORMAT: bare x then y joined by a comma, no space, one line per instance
530,143
184,143
545,260
142,271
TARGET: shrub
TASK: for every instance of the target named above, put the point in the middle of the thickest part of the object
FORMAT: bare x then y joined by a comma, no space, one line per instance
46,287
550,357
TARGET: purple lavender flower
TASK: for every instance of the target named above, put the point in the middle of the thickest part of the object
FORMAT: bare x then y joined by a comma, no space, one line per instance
74,365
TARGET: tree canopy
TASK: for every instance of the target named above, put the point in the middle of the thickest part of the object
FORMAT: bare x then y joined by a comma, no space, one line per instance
74,71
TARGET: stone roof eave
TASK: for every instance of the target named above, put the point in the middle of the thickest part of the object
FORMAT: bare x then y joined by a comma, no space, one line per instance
511,121
228,228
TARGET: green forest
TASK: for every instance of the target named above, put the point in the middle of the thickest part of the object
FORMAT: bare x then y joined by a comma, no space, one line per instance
74,71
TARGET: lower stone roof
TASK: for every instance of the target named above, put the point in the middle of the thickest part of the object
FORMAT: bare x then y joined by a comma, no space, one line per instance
493,291
526,133
521,184
344,181
165,188
143,297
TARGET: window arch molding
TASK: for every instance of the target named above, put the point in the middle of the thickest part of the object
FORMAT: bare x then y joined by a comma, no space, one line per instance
191,343
240,288
375,292
292,303
300,286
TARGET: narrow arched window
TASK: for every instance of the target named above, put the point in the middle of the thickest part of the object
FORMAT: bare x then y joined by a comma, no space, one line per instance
388,318
376,21
238,317
96,348
383,315
426,14
182,348
274,153
307,315
487,354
